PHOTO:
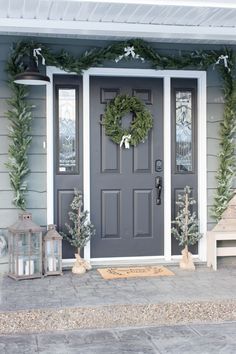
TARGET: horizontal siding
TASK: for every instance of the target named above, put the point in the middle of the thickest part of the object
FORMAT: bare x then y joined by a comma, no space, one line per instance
36,196
9,216
37,153
37,163
215,94
215,110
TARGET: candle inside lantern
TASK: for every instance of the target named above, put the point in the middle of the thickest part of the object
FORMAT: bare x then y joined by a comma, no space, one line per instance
20,266
29,267
51,264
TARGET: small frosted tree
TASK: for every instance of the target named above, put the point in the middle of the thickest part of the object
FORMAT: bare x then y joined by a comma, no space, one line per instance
186,230
79,230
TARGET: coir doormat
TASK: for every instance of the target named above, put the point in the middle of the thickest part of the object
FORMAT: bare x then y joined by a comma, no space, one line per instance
131,272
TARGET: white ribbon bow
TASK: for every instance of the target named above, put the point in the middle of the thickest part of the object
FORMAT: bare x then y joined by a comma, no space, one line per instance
129,51
225,59
36,53
125,140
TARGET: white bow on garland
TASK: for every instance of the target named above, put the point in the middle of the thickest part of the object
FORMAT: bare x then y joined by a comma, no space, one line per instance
225,60
129,51
37,53
125,140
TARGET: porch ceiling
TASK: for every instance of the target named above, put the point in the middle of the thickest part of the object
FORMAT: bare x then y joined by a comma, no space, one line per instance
211,21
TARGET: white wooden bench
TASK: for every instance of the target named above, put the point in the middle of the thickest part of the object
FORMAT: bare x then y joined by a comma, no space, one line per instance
213,251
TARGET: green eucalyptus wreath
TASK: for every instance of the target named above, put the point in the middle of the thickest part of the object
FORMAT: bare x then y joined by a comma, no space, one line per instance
139,127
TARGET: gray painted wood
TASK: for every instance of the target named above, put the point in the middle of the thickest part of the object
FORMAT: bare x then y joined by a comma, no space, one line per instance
215,94
212,162
65,183
181,179
37,163
213,129
215,112
123,194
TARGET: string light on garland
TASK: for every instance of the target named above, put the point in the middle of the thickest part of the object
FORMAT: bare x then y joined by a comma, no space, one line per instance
131,49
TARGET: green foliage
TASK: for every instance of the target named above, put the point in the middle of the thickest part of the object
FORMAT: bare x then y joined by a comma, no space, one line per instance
80,230
119,107
20,116
18,165
186,223
226,157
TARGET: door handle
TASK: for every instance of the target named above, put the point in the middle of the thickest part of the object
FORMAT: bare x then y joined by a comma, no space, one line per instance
158,183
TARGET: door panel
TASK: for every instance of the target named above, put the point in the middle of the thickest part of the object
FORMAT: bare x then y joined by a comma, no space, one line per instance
68,148
123,195
184,144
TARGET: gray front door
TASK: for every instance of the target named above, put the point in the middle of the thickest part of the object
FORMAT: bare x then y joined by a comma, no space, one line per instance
124,208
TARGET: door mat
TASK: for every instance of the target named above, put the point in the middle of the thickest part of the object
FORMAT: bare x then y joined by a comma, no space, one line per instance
131,272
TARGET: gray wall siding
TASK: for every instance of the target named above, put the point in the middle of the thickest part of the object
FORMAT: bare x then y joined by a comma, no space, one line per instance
37,154
36,196
215,109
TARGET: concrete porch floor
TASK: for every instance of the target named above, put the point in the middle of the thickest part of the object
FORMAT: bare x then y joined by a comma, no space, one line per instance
84,306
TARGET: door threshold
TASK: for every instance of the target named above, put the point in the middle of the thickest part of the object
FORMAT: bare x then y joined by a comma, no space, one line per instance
124,261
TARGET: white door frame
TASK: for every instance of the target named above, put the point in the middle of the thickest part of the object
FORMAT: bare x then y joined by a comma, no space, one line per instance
166,75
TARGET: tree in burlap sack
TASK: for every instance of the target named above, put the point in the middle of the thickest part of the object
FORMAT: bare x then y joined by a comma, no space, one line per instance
79,231
186,230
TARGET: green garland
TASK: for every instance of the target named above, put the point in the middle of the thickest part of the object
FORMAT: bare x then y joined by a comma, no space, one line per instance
226,156
96,57
20,116
139,127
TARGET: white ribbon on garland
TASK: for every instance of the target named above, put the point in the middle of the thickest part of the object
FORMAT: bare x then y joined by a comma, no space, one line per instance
126,141
225,60
36,54
129,51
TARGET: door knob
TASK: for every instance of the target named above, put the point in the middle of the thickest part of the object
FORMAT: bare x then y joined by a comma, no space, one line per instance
158,183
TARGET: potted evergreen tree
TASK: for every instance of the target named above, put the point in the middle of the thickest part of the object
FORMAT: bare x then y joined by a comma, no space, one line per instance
79,232
186,229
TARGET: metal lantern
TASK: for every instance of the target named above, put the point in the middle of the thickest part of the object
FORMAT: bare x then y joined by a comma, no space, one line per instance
25,248
31,76
52,245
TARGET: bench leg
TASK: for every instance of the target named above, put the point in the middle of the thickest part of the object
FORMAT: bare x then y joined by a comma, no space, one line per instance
209,250
214,255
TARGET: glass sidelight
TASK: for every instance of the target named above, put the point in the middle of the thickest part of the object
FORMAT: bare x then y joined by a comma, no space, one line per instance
184,169
184,131
67,159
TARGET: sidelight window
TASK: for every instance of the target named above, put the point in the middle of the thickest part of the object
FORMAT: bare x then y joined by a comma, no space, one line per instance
67,137
183,131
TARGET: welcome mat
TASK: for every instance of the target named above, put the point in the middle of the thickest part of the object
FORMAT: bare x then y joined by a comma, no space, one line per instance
131,272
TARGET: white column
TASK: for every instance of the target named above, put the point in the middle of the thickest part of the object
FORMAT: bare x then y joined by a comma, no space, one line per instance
202,165
167,168
86,152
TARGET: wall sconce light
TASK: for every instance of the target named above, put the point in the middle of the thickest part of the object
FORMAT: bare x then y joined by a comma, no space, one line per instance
32,76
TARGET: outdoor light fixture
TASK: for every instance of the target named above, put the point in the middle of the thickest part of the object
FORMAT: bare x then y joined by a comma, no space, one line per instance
32,76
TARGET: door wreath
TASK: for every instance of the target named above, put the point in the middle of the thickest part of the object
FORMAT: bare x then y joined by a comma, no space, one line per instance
139,127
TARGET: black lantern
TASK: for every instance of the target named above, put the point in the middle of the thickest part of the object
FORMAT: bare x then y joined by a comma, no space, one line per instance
31,76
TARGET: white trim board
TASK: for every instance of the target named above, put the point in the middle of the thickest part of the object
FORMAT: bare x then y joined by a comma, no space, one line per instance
202,171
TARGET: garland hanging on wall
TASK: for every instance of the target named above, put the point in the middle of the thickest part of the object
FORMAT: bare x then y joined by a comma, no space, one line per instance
139,127
133,49
20,117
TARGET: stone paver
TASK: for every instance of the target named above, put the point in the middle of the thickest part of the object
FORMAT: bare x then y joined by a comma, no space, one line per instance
195,339
41,314
91,290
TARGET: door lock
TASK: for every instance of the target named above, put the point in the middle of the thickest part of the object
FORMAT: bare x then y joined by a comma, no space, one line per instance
158,183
